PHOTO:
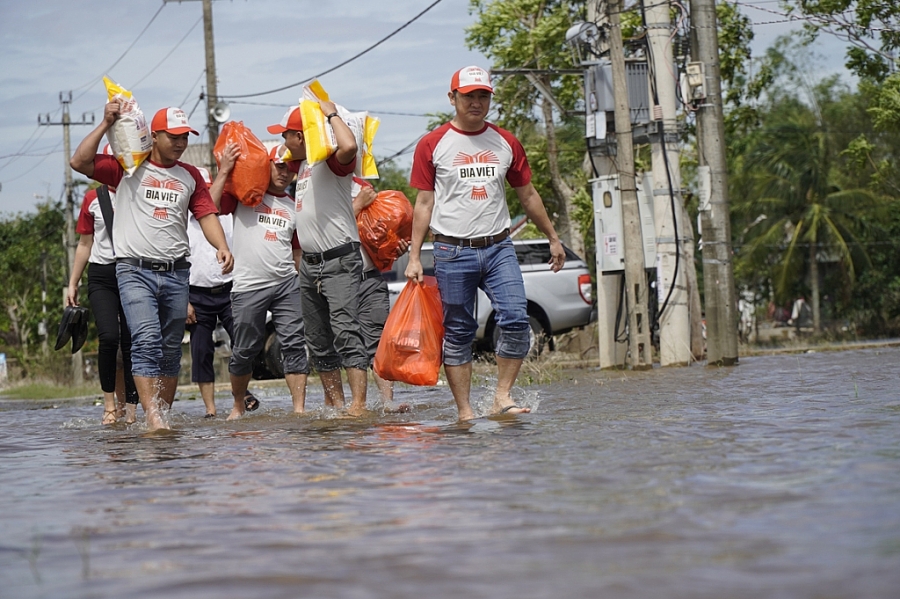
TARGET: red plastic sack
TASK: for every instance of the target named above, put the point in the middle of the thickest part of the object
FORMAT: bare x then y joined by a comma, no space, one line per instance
382,224
410,346
250,178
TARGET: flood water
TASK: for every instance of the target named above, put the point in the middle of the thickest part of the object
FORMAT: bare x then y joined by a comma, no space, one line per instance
776,478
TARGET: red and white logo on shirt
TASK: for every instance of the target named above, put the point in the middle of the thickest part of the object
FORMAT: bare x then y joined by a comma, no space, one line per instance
273,220
477,170
162,193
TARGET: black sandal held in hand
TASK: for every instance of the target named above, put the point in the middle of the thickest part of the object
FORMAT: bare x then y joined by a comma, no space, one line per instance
251,404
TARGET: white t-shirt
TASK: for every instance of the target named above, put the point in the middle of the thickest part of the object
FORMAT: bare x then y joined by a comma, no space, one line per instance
152,207
264,240
467,172
324,207
205,268
90,222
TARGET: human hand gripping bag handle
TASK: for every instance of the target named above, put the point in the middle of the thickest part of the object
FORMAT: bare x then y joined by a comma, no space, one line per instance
249,180
129,137
382,224
410,346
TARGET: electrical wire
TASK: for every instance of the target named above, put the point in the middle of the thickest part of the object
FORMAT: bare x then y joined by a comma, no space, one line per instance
166,57
94,81
346,62
188,95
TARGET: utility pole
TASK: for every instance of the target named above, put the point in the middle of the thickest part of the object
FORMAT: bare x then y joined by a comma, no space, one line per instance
636,292
718,266
212,91
65,98
674,249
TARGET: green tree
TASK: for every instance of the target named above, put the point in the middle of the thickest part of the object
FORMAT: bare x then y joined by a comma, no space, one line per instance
871,28
790,209
530,34
29,244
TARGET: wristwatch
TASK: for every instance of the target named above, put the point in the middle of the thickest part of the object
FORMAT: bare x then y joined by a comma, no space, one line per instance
330,116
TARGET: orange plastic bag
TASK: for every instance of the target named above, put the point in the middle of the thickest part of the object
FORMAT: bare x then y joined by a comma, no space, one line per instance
250,178
410,346
382,224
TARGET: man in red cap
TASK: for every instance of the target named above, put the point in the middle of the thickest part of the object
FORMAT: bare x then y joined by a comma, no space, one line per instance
331,267
265,279
152,247
461,169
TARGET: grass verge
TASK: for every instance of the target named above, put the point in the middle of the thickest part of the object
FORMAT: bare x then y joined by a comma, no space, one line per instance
45,390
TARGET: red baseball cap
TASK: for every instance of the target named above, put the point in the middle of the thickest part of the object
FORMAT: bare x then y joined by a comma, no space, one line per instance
276,154
291,121
469,79
171,120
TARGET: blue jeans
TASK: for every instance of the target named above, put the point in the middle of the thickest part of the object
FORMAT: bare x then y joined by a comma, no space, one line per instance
155,305
460,271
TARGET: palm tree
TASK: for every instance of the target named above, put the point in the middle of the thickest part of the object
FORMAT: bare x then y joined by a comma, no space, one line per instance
796,213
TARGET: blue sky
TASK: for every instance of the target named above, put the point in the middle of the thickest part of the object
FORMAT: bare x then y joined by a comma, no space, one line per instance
53,46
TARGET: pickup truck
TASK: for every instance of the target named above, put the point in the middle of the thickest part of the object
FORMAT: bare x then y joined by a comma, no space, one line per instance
557,302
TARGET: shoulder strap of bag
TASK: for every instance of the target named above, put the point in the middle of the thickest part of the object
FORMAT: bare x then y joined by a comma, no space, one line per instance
106,208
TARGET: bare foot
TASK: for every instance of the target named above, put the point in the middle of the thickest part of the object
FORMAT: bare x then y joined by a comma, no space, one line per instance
130,413
356,411
235,413
155,420
109,417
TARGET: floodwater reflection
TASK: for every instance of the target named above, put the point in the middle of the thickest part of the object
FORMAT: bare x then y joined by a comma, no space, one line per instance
779,477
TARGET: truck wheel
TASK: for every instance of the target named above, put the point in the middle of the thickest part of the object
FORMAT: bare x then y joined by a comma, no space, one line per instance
267,364
272,351
538,338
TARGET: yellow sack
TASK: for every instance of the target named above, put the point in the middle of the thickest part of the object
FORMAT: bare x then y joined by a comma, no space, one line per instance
368,168
317,133
361,125
129,137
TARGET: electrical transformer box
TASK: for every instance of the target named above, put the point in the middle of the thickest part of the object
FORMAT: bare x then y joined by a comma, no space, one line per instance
609,224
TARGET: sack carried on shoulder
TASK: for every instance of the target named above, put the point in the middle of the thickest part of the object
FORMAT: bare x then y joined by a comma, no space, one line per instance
410,346
249,179
382,224
129,137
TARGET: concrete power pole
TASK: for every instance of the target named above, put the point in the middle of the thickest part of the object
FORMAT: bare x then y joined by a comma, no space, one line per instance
212,91
718,266
674,249
636,292
65,98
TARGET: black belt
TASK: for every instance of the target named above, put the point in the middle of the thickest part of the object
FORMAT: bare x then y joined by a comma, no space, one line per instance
223,288
157,265
371,274
475,242
336,252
